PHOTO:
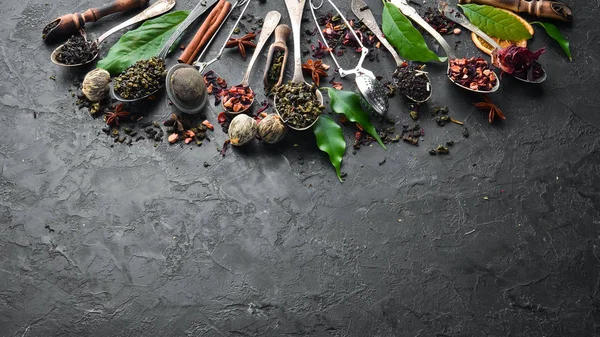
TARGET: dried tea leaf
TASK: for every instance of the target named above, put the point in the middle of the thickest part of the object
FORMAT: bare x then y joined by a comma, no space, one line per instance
330,140
141,43
554,33
405,37
496,22
348,104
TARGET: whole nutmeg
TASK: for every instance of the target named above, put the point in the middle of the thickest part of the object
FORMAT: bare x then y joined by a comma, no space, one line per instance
95,84
242,129
271,129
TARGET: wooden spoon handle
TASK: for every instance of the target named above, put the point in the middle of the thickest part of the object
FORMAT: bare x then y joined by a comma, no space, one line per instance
95,14
540,8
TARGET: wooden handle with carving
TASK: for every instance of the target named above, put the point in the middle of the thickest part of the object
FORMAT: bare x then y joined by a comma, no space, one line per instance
541,8
95,14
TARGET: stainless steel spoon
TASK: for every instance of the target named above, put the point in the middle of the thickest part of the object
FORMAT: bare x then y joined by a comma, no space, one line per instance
412,14
190,76
271,20
200,8
295,8
156,9
363,13
366,82
454,14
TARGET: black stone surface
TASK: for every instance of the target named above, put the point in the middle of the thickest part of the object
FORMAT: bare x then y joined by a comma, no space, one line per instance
498,238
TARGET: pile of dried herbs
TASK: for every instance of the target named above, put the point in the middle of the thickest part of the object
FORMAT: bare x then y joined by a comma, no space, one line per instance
438,21
77,50
141,79
297,104
410,81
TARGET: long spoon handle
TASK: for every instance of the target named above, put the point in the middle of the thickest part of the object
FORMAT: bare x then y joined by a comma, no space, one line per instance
295,8
271,20
95,14
453,14
153,10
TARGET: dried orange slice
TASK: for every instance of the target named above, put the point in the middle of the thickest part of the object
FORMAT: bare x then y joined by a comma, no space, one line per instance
486,48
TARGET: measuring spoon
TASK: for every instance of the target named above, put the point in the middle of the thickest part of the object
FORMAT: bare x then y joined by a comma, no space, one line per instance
156,9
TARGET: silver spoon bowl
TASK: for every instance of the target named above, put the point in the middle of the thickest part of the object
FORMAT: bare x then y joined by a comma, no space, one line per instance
156,9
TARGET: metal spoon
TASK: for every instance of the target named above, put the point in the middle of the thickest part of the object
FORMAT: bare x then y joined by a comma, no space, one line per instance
182,78
454,14
271,20
200,8
362,12
295,8
156,9
413,15
366,82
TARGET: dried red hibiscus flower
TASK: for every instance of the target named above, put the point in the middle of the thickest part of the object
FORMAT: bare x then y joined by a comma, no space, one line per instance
519,62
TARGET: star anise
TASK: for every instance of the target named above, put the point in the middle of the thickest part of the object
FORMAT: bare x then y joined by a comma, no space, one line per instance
242,43
317,68
494,110
112,118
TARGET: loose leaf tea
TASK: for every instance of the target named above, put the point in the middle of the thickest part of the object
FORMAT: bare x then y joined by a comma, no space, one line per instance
275,68
141,43
141,79
405,37
438,21
77,50
411,82
519,62
554,33
348,104
473,73
330,139
496,22
297,104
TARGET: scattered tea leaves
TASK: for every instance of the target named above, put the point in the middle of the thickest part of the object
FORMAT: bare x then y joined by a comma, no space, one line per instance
348,103
405,37
141,43
554,33
496,22
330,140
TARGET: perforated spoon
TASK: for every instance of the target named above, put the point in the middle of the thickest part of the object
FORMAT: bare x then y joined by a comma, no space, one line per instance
412,14
454,14
366,82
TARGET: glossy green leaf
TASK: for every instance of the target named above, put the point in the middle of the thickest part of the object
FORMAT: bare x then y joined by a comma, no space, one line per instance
348,103
141,43
554,33
400,32
496,22
330,140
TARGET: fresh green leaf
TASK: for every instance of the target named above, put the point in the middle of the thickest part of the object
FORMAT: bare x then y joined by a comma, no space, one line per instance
141,43
496,22
330,140
348,103
400,32
556,35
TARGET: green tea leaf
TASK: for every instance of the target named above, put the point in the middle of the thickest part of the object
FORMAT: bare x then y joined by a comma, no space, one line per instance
330,140
405,37
141,43
496,22
348,103
554,33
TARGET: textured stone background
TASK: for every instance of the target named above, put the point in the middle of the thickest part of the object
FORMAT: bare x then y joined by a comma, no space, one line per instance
266,242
